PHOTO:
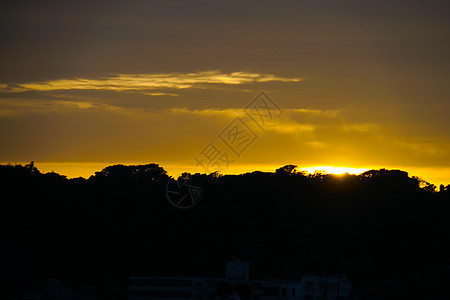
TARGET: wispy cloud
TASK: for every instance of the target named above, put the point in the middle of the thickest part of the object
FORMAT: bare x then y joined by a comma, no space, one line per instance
241,112
211,112
366,127
433,149
149,84
280,125
315,144
23,106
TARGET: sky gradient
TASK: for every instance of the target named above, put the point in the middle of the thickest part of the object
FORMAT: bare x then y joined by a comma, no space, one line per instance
360,84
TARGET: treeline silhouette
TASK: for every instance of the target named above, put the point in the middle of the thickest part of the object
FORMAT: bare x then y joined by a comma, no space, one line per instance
117,223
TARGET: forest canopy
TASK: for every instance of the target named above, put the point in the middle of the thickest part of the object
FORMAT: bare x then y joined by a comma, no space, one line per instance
119,223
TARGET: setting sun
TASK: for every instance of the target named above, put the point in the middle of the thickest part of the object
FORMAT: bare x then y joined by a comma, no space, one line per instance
335,170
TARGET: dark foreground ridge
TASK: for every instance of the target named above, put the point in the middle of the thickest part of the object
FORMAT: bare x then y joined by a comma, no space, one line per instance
99,231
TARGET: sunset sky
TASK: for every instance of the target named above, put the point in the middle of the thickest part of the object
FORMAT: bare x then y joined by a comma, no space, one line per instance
356,84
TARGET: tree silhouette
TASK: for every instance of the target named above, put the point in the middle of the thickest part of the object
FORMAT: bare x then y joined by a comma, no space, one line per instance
379,224
286,170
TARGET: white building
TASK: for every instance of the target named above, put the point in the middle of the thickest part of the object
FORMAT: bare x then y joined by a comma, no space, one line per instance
238,270
50,289
273,289
169,288
324,286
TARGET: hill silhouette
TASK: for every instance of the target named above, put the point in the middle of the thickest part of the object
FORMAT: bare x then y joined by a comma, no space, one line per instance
117,223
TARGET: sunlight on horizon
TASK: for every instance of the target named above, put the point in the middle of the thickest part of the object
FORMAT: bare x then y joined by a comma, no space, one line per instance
336,170
435,175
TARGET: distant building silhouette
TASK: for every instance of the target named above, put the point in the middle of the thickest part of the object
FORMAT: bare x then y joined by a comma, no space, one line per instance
311,286
237,270
324,286
49,289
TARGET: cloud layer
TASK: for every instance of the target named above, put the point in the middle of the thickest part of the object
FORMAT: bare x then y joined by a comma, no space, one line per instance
150,84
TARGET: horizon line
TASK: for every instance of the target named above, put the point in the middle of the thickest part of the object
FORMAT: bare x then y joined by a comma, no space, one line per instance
87,169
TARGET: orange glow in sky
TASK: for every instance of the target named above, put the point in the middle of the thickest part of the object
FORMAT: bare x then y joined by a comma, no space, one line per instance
358,85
